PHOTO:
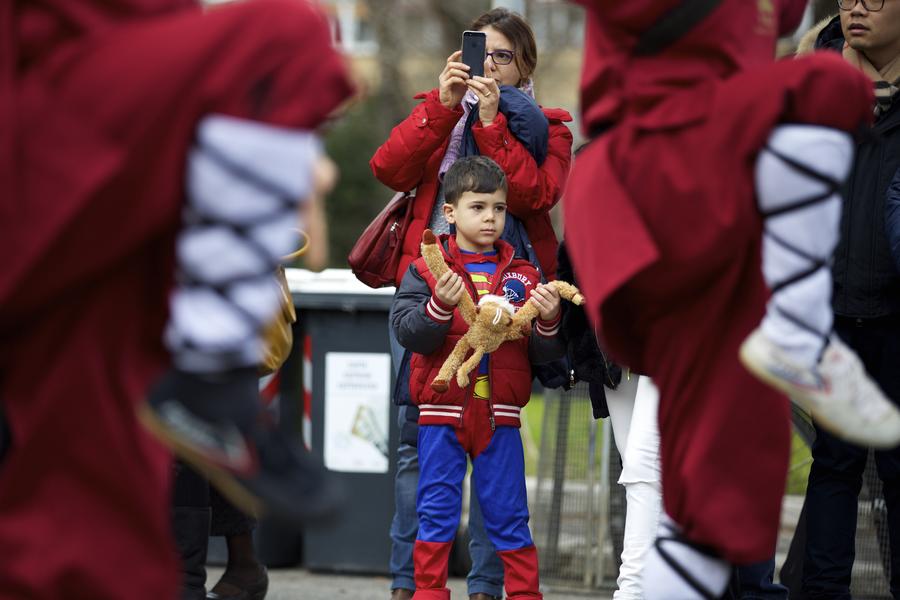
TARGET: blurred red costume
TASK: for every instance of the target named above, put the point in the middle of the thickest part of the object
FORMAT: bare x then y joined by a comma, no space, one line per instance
98,106
663,229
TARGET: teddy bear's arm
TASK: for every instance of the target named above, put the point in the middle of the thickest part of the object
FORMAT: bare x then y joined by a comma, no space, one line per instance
434,259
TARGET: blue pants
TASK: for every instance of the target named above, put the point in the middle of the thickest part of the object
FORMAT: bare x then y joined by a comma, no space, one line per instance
498,474
486,575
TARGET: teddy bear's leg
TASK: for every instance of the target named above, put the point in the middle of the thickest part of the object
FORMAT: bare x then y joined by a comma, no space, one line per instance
440,383
462,374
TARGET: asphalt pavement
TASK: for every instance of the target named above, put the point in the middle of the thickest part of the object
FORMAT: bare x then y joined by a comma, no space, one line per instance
300,584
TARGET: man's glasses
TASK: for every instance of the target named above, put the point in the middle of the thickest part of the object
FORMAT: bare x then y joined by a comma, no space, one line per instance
504,57
869,5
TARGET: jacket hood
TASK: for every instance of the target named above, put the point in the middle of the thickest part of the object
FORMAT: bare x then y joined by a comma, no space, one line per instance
40,26
831,36
807,43
737,35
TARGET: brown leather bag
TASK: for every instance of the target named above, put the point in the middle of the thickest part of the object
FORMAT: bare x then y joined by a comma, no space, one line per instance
279,334
375,256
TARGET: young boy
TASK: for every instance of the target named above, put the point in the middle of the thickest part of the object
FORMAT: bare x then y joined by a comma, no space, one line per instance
482,420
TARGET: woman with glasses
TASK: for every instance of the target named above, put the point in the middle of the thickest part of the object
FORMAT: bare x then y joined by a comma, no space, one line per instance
495,116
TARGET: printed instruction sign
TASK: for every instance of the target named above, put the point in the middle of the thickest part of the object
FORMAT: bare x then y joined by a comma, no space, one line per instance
357,409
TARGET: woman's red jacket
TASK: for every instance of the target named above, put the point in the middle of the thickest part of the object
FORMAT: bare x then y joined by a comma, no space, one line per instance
411,157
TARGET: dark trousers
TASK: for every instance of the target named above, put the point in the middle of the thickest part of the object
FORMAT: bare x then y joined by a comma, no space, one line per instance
756,582
190,489
835,478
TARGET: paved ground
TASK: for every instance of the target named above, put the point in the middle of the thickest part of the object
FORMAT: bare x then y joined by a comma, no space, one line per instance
299,584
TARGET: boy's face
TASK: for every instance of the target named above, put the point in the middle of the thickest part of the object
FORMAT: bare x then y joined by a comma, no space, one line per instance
479,219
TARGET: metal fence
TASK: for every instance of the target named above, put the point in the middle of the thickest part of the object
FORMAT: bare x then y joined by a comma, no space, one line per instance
571,501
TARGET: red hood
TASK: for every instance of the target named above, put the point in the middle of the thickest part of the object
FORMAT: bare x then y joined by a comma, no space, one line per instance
43,24
739,34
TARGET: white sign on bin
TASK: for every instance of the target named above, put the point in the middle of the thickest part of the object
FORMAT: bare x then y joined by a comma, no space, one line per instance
357,410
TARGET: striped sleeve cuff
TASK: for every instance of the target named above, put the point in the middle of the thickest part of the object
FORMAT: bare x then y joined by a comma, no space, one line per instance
549,328
438,311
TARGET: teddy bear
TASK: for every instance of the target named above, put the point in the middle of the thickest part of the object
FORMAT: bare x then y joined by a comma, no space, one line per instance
491,323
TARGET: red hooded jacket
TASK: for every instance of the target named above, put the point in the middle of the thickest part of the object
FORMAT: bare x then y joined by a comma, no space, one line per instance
411,158
99,101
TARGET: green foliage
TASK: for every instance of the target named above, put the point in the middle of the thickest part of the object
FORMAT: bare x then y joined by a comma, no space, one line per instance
358,196
798,469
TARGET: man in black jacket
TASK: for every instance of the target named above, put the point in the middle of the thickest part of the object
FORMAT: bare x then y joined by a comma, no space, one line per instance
866,304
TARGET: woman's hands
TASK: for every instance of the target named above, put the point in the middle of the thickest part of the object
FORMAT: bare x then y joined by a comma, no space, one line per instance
450,288
452,81
488,93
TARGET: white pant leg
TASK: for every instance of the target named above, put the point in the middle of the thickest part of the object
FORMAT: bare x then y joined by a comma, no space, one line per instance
620,402
245,182
639,448
798,240
666,577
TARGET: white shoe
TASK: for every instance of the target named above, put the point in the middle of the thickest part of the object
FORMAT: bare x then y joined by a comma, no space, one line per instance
839,393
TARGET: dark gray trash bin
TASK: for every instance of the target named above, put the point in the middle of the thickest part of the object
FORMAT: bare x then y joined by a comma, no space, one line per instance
351,421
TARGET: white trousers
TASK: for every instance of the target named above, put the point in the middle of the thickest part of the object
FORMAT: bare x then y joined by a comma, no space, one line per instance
245,182
633,412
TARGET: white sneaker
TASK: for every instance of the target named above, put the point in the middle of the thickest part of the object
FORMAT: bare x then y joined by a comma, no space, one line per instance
838,393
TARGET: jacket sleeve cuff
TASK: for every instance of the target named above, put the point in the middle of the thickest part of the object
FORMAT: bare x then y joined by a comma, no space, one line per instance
548,328
495,135
438,311
438,112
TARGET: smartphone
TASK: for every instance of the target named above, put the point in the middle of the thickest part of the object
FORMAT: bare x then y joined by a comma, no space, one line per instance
473,51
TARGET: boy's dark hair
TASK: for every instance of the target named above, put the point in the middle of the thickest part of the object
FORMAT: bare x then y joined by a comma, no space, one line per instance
473,174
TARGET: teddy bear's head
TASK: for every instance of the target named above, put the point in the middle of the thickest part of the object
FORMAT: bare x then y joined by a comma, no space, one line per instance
494,313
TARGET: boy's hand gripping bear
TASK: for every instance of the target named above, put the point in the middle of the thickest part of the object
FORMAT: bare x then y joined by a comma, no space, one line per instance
491,323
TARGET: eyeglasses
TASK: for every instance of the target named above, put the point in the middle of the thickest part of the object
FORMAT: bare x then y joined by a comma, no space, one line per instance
504,57
869,5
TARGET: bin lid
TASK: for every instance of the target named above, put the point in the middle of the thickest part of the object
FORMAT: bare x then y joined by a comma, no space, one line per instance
335,289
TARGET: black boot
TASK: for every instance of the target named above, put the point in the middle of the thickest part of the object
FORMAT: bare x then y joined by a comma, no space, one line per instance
215,425
192,536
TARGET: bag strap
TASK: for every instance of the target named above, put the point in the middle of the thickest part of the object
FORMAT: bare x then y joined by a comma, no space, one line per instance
673,25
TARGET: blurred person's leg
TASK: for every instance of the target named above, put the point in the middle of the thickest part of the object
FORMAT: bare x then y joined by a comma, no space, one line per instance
633,413
405,523
724,444
244,576
883,340
835,477
757,582
877,341
832,496
191,524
